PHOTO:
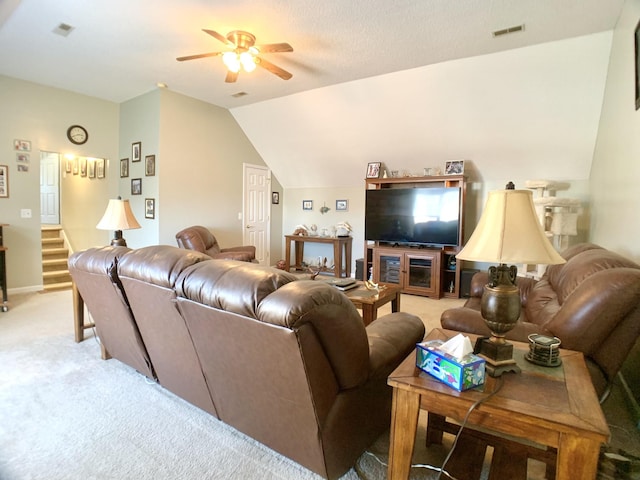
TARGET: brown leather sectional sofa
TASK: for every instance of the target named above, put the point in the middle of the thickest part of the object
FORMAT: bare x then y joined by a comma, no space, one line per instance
591,303
286,361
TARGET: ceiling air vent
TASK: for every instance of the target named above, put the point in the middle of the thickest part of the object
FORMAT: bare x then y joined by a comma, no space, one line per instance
239,94
63,29
505,31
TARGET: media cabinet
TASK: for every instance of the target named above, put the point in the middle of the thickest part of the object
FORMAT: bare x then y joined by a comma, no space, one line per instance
418,270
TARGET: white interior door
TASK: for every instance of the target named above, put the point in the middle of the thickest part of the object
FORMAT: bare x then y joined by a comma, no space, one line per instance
257,210
49,188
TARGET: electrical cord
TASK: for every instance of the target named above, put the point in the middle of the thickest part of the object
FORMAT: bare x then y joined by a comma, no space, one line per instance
463,424
441,469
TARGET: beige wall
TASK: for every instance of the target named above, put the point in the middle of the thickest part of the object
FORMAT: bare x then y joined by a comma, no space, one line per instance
615,171
42,115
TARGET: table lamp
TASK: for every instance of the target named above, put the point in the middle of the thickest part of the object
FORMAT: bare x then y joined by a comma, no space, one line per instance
118,216
508,232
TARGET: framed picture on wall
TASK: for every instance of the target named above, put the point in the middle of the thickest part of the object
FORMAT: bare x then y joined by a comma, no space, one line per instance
91,167
124,167
100,167
342,205
275,198
4,181
149,208
637,69
136,186
83,167
136,149
150,165
307,205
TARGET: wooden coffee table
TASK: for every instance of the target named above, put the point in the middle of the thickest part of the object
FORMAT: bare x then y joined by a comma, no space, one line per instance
370,300
556,407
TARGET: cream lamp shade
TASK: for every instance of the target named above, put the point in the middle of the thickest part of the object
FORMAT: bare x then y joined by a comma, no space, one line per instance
118,216
509,232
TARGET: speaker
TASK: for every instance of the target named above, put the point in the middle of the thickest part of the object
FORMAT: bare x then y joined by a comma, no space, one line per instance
360,269
465,282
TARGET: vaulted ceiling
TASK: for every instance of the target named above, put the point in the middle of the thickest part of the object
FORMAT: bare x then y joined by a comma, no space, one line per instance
119,49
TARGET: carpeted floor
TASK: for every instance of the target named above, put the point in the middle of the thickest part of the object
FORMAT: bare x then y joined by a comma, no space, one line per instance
67,414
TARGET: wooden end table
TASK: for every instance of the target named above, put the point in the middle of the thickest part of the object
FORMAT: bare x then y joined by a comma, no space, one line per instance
370,300
556,407
340,245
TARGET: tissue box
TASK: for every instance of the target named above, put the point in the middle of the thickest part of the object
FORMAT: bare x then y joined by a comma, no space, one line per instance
459,374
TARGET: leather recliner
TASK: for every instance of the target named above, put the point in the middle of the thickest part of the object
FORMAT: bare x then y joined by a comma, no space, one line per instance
591,303
201,239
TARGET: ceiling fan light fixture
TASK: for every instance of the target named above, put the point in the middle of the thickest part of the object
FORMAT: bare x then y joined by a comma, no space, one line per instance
248,61
231,61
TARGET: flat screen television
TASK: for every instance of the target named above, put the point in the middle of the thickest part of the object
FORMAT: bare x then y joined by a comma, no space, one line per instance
413,216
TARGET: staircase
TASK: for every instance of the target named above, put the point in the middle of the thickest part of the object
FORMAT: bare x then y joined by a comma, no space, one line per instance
55,273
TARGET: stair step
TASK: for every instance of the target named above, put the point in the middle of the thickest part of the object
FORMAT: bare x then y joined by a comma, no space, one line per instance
50,231
55,253
50,287
48,242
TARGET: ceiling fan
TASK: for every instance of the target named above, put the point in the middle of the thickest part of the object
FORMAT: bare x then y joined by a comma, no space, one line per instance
244,54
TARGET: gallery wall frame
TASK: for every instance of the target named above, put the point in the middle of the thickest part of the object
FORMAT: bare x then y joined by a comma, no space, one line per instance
342,205
136,149
636,38
149,165
150,208
4,181
136,186
100,168
124,167
275,198
307,205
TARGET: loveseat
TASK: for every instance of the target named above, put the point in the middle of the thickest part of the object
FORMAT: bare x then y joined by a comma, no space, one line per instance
286,361
591,303
201,239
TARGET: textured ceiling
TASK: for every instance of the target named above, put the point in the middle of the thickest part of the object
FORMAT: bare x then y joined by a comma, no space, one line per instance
120,49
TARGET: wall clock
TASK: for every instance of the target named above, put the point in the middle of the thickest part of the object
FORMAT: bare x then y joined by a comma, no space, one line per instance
77,134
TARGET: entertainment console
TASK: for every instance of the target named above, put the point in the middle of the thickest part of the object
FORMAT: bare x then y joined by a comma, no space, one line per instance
429,270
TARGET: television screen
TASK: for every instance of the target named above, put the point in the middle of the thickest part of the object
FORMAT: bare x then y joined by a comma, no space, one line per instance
421,216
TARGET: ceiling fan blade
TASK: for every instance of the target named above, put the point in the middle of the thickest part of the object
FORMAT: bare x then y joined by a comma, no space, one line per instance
217,36
275,47
283,74
201,55
231,77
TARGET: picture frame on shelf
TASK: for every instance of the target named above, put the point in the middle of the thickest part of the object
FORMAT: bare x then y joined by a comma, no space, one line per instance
124,167
373,169
4,181
149,165
100,168
454,167
307,205
342,205
275,198
136,149
150,208
136,186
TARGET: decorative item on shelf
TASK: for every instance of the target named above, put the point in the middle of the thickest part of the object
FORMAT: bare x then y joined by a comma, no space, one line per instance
301,230
373,169
451,263
343,229
118,216
324,209
454,167
508,232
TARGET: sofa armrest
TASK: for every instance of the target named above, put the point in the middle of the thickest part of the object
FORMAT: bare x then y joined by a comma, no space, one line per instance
391,338
244,248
